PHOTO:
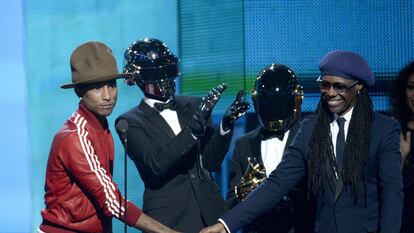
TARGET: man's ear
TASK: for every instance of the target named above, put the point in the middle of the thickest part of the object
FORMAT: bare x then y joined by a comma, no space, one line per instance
359,87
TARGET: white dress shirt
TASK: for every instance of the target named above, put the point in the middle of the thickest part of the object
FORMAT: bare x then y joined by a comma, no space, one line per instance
169,115
272,152
335,127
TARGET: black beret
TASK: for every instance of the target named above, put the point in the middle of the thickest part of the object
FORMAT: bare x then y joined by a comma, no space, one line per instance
347,64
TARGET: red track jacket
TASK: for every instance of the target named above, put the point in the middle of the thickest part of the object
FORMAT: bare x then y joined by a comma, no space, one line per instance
80,194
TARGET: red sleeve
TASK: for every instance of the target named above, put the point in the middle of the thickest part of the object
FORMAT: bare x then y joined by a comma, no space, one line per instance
84,164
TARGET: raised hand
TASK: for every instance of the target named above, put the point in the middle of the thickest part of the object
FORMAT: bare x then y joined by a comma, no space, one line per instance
199,121
210,100
237,109
216,228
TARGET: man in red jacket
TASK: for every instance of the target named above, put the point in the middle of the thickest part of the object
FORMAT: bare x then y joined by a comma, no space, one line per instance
80,193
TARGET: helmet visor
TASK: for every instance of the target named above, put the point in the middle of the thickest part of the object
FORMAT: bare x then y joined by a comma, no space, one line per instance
154,75
274,106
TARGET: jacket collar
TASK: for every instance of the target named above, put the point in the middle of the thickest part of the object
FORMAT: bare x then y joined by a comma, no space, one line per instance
183,113
151,102
92,119
255,146
347,116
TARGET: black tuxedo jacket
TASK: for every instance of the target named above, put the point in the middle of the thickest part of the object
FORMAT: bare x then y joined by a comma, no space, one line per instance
380,201
176,169
293,212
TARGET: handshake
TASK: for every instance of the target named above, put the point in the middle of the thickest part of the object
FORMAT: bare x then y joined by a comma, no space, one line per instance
237,109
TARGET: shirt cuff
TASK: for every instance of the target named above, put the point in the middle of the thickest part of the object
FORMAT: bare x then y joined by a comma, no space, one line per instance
222,132
133,214
224,224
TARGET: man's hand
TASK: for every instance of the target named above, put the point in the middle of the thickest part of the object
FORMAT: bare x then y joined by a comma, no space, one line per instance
148,224
216,228
237,109
210,100
405,146
199,121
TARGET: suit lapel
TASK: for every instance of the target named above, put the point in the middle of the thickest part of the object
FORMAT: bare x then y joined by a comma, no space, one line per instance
255,146
331,178
339,187
292,133
155,119
184,112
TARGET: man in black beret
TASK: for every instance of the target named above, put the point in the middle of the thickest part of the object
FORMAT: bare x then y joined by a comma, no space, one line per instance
349,153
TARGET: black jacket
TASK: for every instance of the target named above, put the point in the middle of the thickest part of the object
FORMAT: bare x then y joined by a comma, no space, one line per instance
178,192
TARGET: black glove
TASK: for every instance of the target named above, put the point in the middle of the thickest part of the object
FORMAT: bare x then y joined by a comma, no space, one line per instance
237,109
199,121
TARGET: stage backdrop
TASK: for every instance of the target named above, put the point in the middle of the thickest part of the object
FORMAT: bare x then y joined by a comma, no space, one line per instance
15,201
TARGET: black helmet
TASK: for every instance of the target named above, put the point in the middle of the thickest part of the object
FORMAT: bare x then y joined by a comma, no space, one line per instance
153,66
277,97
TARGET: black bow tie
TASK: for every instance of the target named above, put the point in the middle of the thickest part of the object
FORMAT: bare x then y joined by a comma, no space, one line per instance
172,105
264,135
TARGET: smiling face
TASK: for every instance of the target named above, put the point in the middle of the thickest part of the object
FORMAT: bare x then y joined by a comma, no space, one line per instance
100,98
409,93
339,93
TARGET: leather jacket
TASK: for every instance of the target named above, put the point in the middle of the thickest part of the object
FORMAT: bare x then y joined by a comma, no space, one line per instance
80,195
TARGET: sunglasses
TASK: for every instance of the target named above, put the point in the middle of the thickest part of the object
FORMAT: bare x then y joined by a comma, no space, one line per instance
338,87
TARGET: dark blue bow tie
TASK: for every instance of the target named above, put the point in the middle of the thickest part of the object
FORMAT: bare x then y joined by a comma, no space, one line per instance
172,105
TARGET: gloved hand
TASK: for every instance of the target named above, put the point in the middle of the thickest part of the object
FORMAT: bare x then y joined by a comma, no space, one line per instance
237,109
199,121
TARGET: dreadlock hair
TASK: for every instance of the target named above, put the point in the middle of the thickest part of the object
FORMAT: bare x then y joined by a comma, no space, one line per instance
356,152
400,109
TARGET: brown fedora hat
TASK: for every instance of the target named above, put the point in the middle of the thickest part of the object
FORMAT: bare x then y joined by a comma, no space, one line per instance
92,62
